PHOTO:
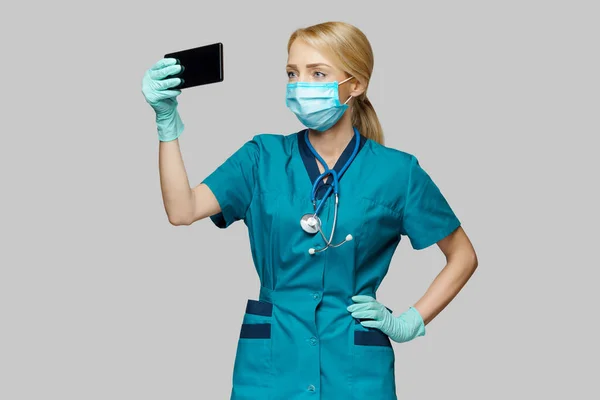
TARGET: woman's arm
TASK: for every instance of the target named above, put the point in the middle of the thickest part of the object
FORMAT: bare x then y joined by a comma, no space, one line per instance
183,205
461,262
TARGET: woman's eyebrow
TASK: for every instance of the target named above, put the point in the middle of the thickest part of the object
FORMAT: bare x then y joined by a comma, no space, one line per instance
309,65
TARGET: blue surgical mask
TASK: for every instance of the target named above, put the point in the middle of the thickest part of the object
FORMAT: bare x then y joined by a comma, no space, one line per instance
316,104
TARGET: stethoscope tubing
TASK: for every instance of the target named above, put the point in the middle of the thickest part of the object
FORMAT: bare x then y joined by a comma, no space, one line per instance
311,223
329,171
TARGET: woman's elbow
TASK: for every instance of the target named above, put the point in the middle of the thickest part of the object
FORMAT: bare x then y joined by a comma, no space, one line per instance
471,260
178,220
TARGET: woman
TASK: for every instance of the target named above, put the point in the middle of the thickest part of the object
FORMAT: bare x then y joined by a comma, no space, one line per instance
316,328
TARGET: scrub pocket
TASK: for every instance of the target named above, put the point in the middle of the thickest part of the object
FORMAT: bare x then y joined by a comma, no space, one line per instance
373,364
253,361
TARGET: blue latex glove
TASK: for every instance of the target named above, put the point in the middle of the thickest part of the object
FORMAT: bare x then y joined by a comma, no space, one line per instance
155,87
403,328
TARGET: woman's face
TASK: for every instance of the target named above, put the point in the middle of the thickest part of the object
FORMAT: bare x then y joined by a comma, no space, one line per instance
306,64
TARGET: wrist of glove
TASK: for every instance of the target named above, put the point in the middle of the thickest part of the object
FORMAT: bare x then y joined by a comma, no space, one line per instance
169,126
408,326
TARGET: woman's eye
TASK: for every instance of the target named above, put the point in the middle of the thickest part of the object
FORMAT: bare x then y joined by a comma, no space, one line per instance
290,74
320,76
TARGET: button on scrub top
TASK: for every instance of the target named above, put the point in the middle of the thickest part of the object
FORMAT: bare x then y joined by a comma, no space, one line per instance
297,340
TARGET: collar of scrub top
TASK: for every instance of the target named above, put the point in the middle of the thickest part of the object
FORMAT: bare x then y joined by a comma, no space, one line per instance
308,157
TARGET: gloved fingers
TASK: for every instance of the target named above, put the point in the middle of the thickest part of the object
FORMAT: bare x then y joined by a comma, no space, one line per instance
165,62
373,305
371,324
359,307
362,298
167,83
160,74
372,314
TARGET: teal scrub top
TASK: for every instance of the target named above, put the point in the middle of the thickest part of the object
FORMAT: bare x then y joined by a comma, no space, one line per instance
297,340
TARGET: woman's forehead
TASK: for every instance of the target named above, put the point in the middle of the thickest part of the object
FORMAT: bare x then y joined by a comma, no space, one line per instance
301,53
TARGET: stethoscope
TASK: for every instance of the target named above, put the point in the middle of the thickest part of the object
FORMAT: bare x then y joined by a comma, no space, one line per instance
311,223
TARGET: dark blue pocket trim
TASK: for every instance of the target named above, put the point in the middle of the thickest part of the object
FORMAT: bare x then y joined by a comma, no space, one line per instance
371,338
256,331
259,308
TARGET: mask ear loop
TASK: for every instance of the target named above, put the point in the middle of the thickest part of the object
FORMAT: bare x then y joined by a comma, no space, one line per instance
344,81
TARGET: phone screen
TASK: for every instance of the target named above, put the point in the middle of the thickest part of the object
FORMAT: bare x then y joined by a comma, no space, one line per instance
202,65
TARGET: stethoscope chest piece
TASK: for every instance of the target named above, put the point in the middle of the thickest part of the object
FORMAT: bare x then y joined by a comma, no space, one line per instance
310,223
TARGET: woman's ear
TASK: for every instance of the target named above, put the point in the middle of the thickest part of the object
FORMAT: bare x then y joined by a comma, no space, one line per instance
358,87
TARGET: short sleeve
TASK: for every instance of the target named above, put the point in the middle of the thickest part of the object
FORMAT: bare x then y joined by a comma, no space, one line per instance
233,184
427,216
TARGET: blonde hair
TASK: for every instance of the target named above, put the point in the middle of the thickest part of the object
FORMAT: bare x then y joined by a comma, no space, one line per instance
353,53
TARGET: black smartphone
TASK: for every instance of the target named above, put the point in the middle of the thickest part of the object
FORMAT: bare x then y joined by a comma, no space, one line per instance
201,65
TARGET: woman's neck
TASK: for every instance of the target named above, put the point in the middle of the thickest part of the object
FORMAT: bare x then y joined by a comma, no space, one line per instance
331,143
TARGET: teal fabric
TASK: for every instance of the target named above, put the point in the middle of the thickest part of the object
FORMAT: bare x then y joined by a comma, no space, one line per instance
311,350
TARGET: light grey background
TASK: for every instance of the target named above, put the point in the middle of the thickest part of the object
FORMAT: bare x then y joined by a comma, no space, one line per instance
101,298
